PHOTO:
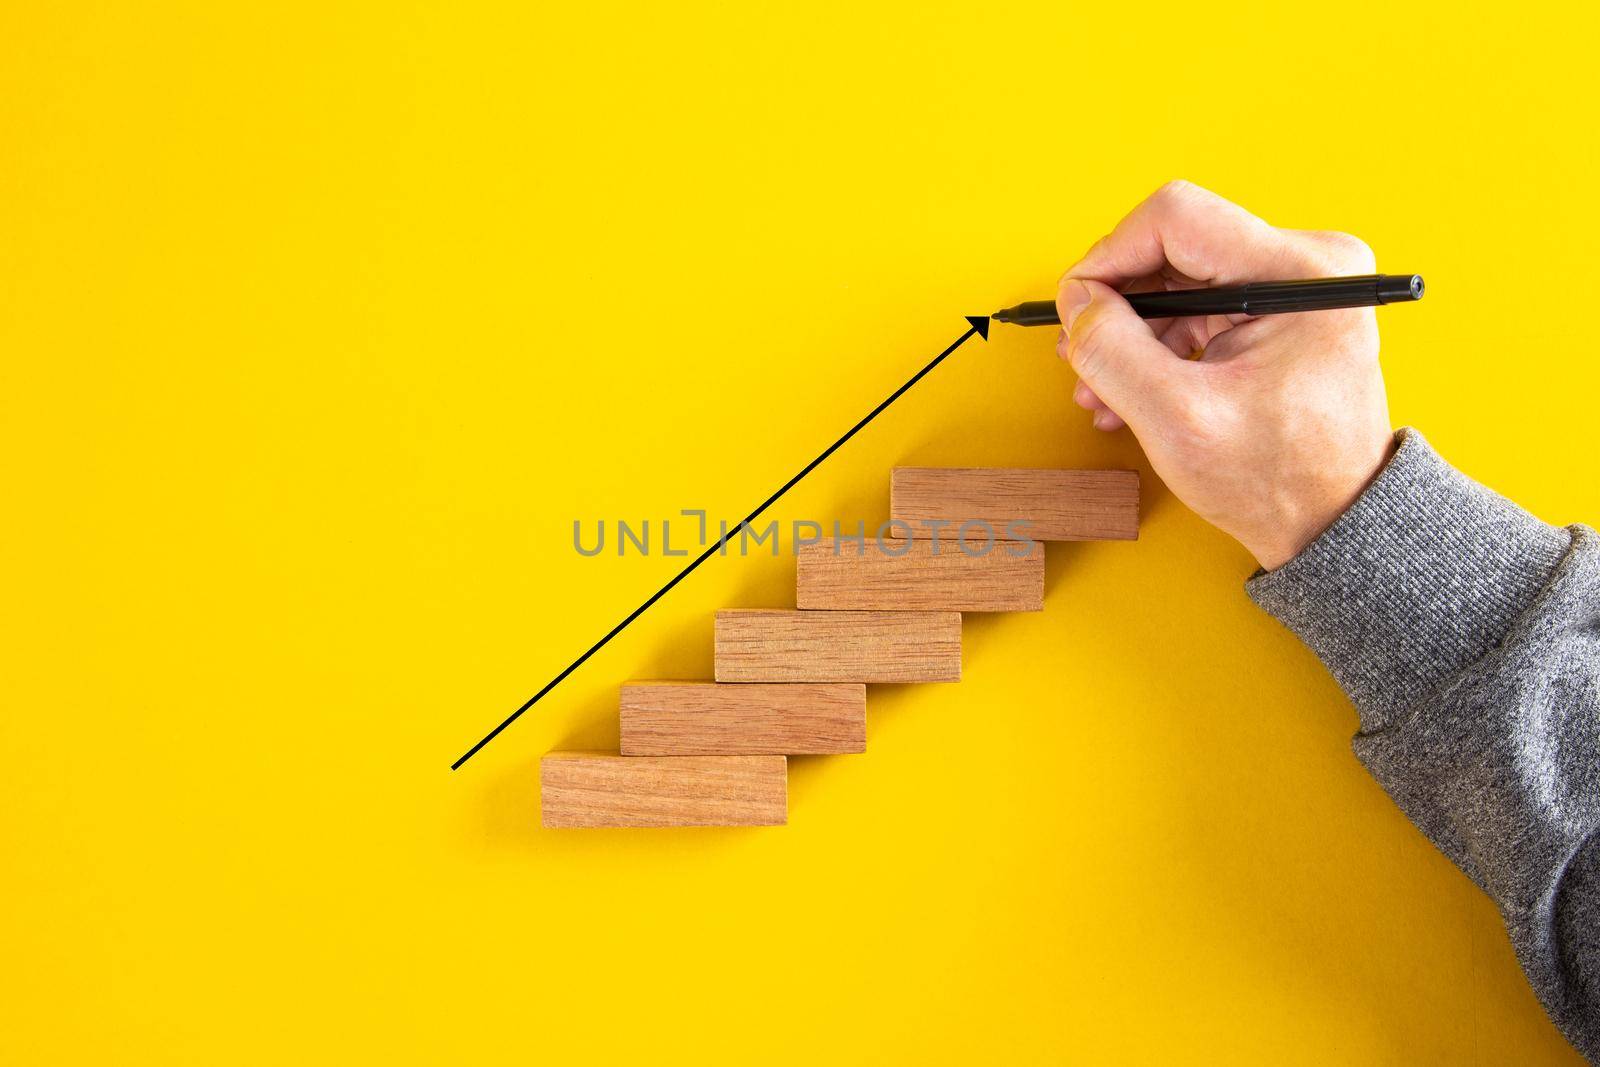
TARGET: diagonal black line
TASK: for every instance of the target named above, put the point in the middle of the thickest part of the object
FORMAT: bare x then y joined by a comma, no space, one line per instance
707,554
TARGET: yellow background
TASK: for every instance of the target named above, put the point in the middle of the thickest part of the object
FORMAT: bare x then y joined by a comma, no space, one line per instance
319,324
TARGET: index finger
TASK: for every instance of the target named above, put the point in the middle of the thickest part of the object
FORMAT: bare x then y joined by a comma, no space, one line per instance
1192,231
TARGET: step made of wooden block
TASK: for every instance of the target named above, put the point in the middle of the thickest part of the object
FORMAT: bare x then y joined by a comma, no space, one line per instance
598,789
692,718
838,646
1058,505
921,575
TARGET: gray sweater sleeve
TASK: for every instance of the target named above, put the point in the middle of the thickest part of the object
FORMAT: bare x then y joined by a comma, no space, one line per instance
1467,633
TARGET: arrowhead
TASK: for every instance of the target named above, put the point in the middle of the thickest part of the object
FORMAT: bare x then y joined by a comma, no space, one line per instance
981,324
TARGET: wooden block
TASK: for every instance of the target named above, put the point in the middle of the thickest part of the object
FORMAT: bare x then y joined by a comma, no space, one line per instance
838,646
690,718
912,576
1059,505
598,789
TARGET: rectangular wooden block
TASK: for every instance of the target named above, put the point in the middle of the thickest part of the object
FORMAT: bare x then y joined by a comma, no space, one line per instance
695,718
838,646
598,789
1059,505
922,575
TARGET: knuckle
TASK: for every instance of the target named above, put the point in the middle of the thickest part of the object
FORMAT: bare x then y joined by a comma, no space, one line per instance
1180,194
1344,253
1179,200
1168,199
1176,189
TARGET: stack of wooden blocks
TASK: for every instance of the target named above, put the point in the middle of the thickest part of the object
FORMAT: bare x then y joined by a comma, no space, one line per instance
794,682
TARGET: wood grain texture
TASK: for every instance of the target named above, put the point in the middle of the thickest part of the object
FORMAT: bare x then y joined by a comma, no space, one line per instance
838,646
921,575
700,718
1060,505
598,789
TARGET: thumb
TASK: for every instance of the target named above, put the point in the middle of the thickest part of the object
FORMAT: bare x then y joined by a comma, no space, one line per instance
1115,352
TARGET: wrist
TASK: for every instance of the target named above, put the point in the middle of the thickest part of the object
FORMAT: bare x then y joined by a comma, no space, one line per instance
1314,502
1425,573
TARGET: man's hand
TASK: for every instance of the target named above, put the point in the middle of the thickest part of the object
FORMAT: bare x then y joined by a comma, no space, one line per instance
1278,425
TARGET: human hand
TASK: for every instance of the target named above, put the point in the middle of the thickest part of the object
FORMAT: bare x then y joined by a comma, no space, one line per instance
1281,422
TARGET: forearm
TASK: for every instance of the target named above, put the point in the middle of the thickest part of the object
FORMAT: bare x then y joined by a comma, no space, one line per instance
1467,633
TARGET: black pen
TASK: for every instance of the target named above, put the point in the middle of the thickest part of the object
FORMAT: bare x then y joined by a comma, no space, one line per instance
1256,298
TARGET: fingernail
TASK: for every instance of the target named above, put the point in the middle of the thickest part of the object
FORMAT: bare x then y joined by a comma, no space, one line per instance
1075,296
1101,420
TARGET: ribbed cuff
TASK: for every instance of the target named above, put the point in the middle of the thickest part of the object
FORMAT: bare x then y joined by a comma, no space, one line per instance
1423,575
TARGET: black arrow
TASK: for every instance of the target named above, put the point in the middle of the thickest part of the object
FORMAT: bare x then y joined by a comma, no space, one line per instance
979,326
